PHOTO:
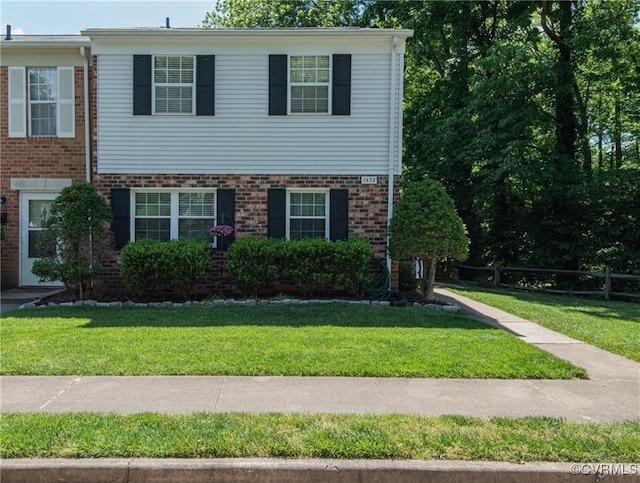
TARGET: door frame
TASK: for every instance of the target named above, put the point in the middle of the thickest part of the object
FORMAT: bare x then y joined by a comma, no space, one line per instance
28,279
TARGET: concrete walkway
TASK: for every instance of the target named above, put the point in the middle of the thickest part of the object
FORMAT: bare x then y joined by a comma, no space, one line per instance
611,394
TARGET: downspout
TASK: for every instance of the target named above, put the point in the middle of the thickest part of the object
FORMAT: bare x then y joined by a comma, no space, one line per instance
87,120
392,133
87,145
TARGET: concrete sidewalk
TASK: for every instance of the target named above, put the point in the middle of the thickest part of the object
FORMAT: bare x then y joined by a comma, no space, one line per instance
611,394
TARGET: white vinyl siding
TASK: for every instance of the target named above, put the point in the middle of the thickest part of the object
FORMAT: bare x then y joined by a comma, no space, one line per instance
242,138
164,215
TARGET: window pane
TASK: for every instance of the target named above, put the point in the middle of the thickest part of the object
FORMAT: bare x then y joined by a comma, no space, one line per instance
323,76
160,62
153,204
43,84
309,61
43,119
197,204
323,62
194,228
296,62
296,75
302,228
307,204
153,228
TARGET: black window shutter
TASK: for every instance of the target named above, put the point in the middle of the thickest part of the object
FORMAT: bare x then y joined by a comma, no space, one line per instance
226,215
205,85
120,207
277,85
277,213
341,102
141,85
339,214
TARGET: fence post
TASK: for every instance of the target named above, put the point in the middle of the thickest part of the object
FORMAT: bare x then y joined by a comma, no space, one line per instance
496,275
607,282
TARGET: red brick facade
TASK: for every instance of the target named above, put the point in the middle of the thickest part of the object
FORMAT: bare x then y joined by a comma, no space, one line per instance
35,158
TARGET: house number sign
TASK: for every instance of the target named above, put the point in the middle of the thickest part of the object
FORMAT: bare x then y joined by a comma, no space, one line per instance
369,180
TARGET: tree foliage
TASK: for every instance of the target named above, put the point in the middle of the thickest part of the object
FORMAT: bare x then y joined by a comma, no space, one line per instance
527,112
426,225
74,243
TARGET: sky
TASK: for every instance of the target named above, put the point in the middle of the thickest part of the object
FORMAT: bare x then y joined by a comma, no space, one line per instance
39,17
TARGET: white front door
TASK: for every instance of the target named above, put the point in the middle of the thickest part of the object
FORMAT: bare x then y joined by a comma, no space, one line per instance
35,208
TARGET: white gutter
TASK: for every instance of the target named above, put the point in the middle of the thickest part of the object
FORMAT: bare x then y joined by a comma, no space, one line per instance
87,121
392,133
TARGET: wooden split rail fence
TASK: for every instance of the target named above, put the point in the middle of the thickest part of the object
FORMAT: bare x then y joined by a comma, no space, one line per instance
607,275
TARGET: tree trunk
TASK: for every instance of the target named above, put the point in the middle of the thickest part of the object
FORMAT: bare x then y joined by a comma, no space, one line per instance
617,134
429,278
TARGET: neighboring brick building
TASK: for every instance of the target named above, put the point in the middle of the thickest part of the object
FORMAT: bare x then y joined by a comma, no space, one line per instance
287,133
42,138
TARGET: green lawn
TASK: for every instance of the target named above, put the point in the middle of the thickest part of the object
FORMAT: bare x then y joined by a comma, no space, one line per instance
610,325
322,339
88,435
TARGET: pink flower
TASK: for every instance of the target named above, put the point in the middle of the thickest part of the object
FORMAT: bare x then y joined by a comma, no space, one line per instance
221,230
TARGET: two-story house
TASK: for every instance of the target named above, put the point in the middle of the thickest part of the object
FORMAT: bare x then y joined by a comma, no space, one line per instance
44,84
286,133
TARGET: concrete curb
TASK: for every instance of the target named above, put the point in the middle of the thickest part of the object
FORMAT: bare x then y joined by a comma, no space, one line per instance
246,470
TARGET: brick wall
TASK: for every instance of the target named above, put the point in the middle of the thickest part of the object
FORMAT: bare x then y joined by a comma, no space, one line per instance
48,157
367,203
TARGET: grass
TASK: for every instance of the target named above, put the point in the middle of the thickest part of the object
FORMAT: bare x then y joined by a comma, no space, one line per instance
610,325
319,340
89,435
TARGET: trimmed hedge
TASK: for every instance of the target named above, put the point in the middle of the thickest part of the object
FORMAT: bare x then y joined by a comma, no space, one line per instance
150,267
257,263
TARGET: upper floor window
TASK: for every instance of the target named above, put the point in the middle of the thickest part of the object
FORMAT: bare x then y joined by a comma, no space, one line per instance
41,101
309,81
301,84
173,84
173,80
43,97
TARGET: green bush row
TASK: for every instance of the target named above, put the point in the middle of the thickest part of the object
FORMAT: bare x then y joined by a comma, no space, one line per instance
151,267
257,263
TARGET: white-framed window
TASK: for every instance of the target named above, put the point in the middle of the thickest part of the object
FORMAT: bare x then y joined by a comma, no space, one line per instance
173,214
307,214
174,84
43,99
309,84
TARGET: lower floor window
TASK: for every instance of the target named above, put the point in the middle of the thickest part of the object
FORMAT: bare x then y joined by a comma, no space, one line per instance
166,215
308,215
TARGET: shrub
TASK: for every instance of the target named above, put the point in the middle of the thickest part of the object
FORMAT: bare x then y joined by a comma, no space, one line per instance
427,225
350,265
255,263
151,267
73,244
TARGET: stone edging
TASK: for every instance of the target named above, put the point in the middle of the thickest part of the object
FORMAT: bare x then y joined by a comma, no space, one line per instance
220,302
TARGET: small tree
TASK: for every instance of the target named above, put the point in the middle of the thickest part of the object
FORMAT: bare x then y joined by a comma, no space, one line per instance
427,225
73,244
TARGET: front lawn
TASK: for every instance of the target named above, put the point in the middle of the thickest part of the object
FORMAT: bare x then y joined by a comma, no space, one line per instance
88,435
307,340
610,325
